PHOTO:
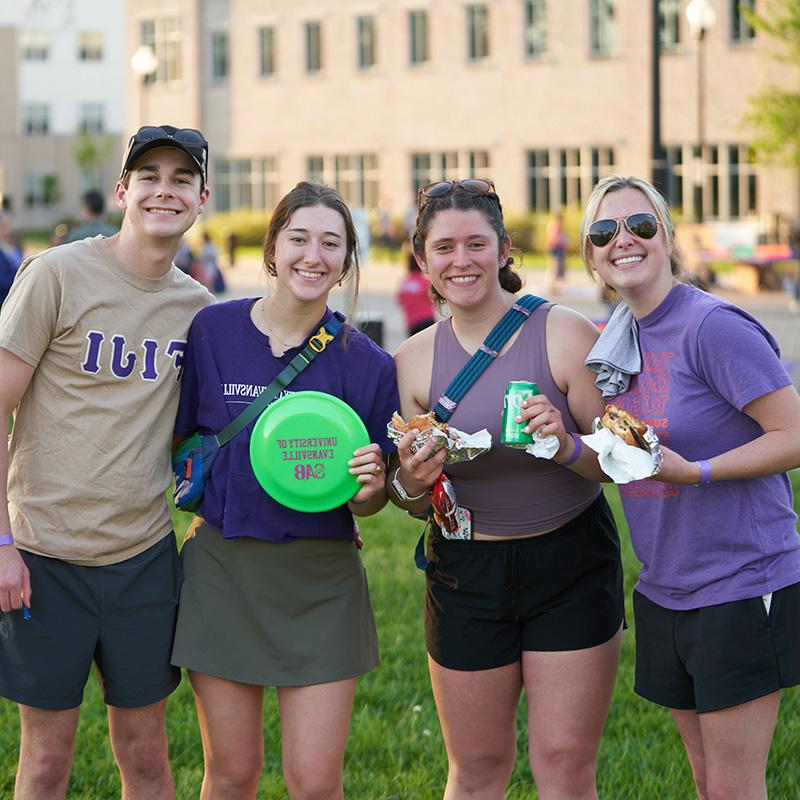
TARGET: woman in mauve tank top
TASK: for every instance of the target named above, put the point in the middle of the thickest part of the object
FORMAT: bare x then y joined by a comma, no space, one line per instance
531,595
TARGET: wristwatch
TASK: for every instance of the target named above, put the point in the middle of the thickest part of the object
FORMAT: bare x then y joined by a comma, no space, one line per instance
400,489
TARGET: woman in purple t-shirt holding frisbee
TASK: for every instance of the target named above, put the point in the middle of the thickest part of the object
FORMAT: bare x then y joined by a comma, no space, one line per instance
274,593
717,605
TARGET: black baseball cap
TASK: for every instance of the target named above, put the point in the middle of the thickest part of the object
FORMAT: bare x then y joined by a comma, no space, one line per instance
149,137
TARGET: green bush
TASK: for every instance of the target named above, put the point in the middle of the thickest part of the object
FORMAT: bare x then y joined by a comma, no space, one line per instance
248,224
528,231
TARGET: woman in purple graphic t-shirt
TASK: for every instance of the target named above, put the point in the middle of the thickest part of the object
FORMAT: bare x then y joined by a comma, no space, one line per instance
274,596
717,605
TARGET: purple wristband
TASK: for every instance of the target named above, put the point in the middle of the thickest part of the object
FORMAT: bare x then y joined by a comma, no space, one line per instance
6,538
576,453
705,472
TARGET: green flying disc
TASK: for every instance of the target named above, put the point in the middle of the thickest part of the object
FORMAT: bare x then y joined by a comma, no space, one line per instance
300,447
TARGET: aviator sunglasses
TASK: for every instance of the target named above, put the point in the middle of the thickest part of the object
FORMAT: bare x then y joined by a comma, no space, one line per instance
603,231
441,188
187,136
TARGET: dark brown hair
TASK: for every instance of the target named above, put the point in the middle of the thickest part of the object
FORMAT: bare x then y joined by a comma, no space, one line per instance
307,194
462,200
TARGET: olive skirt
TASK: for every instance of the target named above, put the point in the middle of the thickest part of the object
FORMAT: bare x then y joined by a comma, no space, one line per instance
273,614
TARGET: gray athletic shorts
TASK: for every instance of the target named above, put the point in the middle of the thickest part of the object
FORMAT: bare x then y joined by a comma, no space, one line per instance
120,616
271,614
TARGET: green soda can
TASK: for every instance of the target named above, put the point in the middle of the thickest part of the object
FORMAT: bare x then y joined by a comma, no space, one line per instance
512,434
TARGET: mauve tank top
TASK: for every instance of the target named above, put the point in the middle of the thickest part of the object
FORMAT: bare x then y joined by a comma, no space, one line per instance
509,492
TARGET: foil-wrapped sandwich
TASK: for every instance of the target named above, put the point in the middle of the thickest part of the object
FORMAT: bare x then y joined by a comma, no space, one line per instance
460,446
627,449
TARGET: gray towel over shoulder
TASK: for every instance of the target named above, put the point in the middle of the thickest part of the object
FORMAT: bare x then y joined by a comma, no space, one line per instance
615,356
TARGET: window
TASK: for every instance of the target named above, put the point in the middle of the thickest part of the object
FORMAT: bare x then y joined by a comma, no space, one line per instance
535,27
367,42
36,119
477,31
266,51
418,37
34,44
429,167
219,56
313,46
90,45
91,119
603,34
724,183
561,177
741,29
246,183
669,18
165,37
40,188
355,177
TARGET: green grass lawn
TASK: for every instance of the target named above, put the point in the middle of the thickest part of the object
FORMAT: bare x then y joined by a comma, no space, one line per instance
396,750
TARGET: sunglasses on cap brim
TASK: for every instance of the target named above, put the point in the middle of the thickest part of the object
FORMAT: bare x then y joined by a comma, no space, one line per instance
441,188
603,231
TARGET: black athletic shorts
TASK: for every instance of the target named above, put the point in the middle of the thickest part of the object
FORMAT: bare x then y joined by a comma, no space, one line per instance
486,602
120,616
719,656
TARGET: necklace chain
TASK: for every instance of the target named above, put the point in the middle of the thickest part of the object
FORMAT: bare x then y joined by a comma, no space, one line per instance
271,332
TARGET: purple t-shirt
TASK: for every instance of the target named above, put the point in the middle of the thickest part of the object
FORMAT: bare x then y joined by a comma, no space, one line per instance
228,362
703,360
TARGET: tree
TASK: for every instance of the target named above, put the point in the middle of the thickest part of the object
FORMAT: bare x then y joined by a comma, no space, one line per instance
90,153
774,112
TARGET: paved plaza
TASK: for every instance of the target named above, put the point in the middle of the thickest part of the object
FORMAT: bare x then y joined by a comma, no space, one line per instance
379,281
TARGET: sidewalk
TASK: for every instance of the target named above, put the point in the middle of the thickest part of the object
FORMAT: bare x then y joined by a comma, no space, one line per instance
379,282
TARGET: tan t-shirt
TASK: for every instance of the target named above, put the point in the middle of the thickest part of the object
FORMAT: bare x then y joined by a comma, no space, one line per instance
89,455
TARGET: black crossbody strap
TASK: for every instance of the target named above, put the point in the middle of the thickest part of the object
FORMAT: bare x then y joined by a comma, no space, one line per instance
485,354
316,344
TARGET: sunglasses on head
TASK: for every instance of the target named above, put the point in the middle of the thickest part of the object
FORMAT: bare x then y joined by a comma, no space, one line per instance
187,136
603,231
441,188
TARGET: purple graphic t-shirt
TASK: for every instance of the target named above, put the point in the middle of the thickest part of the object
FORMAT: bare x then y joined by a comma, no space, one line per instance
703,360
228,363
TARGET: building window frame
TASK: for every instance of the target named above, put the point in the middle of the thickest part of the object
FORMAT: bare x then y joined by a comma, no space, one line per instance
669,24
602,27
366,42
91,119
354,175
565,176
34,44
267,51
313,46
246,183
427,167
740,30
165,36
220,56
36,119
478,46
91,45
418,37
534,28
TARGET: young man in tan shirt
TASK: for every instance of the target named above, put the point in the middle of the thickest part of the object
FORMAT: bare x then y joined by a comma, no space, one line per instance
91,345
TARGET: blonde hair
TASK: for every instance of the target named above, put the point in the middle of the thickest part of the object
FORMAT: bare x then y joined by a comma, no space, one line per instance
614,183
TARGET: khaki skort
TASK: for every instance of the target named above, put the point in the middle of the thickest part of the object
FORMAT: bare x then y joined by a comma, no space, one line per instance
271,614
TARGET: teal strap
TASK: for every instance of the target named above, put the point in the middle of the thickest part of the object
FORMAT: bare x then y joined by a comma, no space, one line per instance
485,354
316,344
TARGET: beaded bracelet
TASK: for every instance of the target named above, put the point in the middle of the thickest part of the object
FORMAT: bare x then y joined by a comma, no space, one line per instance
576,453
6,538
705,472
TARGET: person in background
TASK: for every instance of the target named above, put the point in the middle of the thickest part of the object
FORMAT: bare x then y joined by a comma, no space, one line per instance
274,596
92,337
414,296
556,243
92,213
205,269
10,256
533,597
717,604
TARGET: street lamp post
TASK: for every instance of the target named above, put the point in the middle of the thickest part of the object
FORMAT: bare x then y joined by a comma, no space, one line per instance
144,62
701,17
